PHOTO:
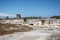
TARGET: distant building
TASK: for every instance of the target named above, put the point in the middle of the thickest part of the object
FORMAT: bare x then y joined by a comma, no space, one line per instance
18,16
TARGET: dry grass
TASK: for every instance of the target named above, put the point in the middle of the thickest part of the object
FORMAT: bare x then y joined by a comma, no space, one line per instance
18,28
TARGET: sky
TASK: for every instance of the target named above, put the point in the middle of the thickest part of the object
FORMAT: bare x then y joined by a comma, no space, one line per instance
43,8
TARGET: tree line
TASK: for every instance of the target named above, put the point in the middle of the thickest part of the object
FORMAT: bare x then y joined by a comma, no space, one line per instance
57,17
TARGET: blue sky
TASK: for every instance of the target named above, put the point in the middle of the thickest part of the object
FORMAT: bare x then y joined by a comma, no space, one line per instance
44,8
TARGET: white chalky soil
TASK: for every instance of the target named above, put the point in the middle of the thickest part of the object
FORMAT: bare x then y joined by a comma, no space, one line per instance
32,35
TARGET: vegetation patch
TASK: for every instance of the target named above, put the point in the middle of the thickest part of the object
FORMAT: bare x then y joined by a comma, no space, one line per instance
11,28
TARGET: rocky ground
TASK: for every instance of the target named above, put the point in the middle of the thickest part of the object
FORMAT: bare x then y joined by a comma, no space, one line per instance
24,32
32,35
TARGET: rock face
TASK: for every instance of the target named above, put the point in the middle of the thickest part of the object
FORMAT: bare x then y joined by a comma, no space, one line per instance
11,28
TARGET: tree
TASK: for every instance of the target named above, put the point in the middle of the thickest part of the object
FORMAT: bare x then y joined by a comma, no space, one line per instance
7,17
0,19
43,21
57,17
25,19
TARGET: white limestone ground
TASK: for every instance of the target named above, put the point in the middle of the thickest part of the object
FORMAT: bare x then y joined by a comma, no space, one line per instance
32,35
37,22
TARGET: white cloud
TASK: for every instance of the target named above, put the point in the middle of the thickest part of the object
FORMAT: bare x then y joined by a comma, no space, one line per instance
4,14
